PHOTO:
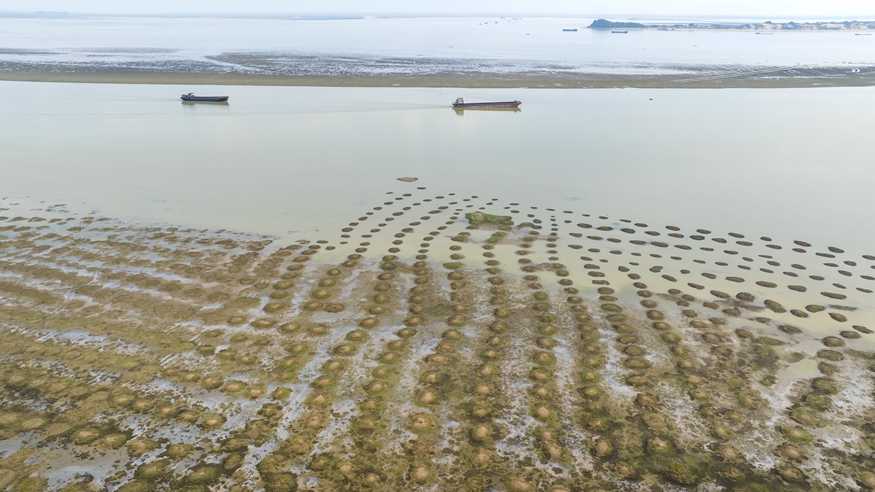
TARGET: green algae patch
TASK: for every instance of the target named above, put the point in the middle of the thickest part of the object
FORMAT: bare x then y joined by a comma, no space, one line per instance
685,469
483,218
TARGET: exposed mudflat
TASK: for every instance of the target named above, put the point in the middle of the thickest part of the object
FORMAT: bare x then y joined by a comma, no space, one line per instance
682,77
431,344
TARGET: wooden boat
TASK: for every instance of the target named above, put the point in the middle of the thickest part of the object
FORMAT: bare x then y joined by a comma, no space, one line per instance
461,104
190,97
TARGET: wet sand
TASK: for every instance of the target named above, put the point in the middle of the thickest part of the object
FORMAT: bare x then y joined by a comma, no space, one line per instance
437,341
774,79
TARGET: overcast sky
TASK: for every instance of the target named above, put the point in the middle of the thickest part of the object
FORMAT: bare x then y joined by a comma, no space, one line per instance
778,8
782,8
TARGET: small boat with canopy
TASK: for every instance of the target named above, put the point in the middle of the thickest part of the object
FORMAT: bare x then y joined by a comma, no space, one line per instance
460,104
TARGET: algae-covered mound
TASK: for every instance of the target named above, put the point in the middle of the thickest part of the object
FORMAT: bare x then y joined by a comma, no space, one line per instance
481,218
417,350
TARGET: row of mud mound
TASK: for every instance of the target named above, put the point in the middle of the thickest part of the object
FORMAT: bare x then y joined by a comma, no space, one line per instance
437,342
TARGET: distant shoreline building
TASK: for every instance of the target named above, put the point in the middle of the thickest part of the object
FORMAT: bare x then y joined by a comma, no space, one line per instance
605,24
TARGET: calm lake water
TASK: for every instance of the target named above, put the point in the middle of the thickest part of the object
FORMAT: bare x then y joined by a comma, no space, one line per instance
792,164
636,280
501,44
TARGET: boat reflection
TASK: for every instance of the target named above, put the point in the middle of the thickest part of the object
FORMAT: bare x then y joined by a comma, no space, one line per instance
205,103
461,111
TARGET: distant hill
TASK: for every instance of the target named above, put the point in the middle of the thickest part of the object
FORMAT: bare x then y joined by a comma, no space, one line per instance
606,24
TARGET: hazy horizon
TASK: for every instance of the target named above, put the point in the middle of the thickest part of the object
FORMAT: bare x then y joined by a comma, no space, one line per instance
356,14
598,8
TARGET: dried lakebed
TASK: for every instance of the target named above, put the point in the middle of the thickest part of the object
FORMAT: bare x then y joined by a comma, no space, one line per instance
437,342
